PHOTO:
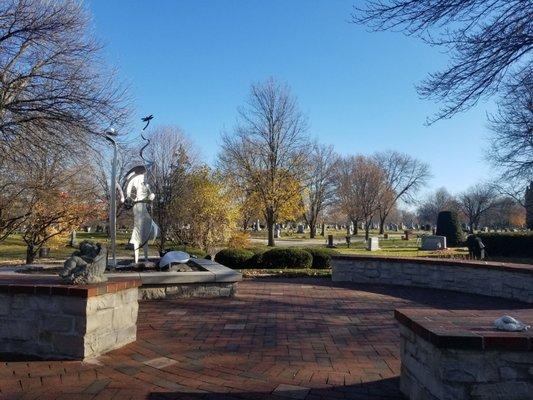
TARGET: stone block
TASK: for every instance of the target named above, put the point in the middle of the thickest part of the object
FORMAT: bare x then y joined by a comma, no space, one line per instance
57,323
502,391
433,242
60,326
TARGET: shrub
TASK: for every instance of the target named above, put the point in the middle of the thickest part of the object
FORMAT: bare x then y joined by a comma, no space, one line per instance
239,240
321,257
287,258
448,225
257,259
235,258
508,244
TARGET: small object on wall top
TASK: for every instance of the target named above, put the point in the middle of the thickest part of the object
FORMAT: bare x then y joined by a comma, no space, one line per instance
508,323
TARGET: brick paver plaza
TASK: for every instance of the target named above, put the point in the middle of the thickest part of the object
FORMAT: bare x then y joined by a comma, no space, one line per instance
278,339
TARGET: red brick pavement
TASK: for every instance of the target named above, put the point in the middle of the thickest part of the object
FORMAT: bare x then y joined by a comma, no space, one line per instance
295,338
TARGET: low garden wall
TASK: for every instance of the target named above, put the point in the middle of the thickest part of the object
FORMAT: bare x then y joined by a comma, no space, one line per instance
44,319
510,281
458,355
214,280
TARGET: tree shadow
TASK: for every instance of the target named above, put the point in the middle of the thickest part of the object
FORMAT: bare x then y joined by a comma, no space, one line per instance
425,297
384,389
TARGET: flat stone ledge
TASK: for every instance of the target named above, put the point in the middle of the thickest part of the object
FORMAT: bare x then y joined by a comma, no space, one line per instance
466,329
458,355
476,264
53,286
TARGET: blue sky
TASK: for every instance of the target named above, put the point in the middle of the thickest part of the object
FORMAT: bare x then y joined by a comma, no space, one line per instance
191,63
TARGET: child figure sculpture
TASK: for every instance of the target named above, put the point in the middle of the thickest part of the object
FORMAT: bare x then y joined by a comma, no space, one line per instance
138,196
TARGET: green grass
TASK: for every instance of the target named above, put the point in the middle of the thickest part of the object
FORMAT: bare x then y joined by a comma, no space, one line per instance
13,249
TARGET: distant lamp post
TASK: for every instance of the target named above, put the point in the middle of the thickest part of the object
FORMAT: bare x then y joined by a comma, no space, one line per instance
110,135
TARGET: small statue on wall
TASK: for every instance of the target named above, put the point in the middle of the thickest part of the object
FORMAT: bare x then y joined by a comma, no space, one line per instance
85,266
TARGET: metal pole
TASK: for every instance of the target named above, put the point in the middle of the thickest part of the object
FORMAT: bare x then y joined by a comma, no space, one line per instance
113,201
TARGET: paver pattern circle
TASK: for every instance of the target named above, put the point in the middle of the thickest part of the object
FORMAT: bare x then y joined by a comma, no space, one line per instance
282,338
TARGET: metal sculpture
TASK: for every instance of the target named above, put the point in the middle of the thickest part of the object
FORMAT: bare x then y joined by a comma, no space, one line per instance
85,266
139,197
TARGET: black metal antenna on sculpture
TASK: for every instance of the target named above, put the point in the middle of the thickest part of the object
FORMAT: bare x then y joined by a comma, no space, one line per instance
147,120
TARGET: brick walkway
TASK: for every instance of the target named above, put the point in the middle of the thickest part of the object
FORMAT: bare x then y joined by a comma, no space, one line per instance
295,338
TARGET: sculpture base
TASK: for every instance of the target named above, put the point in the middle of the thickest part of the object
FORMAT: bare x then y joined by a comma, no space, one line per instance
43,319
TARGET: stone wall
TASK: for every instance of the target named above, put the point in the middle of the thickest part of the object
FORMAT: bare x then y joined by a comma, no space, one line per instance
433,373
36,322
511,281
111,321
218,289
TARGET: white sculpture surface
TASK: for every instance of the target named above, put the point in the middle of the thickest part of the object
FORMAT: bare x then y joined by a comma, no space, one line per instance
138,197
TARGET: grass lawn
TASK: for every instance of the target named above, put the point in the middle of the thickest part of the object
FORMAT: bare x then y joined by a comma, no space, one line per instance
13,249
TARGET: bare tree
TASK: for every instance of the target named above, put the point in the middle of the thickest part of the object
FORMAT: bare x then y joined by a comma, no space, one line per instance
361,184
489,41
506,213
440,200
53,92
267,151
475,202
512,130
172,156
320,186
127,157
12,190
404,175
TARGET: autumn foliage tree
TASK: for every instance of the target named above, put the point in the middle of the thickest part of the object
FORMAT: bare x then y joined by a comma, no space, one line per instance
55,213
361,186
59,197
266,154
204,215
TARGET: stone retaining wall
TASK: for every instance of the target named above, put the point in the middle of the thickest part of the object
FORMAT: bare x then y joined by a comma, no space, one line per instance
511,281
460,364
220,289
60,322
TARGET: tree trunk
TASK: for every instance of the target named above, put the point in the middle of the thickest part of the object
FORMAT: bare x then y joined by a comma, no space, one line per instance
30,254
270,227
367,230
382,224
471,223
312,229
323,233
355,227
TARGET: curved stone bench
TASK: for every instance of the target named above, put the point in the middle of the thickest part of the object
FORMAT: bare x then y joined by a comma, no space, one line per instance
505,280
457,354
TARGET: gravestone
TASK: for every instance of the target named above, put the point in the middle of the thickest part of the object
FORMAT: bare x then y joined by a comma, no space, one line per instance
300,229
330,241
73,242
372,244
433,242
